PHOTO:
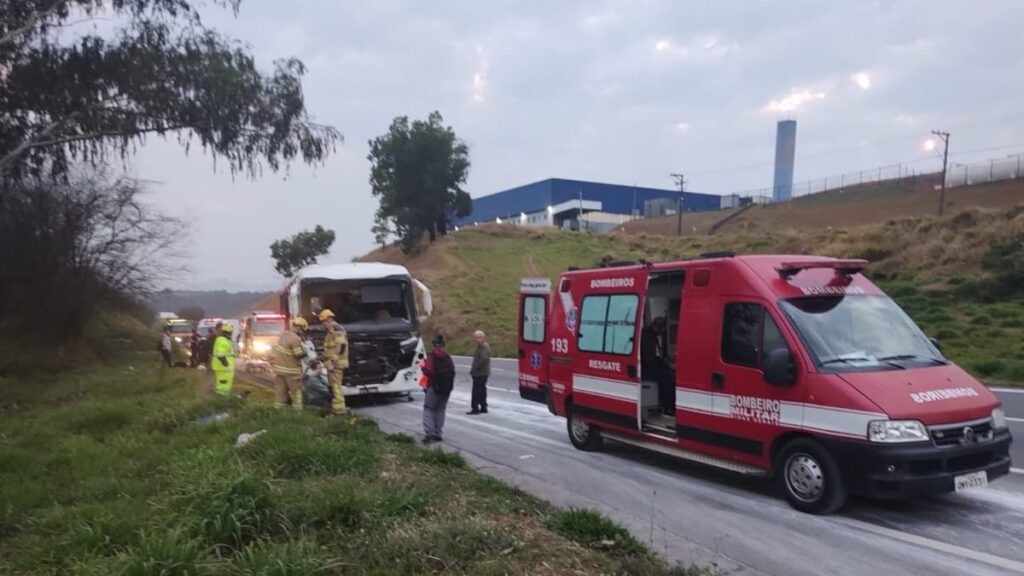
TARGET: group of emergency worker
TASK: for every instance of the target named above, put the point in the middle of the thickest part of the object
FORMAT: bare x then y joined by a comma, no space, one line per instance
286,360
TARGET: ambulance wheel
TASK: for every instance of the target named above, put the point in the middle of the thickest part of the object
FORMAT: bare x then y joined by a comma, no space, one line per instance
583,436
810,477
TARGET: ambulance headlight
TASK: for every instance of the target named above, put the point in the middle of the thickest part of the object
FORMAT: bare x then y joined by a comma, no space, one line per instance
998,419
892,431
261,347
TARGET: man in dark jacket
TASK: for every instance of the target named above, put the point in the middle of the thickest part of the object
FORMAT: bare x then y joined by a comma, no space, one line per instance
479,372
439,368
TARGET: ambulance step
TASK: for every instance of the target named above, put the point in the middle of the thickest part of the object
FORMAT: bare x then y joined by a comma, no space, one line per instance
686,454
666,431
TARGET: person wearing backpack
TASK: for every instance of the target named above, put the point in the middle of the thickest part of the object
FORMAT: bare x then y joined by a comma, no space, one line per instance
439,368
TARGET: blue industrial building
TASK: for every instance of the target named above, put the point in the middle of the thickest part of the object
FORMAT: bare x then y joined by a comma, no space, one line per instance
593,205
785,155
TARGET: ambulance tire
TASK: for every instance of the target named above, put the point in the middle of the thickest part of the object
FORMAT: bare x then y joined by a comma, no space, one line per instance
810,477
583,436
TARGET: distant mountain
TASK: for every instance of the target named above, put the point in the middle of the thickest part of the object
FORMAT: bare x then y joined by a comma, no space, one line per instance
216,303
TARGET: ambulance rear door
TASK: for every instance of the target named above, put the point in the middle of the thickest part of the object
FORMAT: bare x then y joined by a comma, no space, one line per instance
534,309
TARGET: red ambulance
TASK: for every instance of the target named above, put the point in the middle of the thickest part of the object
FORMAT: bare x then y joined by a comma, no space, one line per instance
795,367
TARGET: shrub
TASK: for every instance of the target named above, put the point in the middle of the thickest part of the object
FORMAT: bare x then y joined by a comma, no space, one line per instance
167,553
593,529
988,368
293,453
264,558
221,502
1005,261
982,320
439,457
332,505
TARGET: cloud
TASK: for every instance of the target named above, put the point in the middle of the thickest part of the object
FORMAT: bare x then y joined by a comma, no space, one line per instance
480,76
905,120
612,90
792,102
701,48
862,80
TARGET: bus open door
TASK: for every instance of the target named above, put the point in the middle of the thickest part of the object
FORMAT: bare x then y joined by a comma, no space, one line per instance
534,308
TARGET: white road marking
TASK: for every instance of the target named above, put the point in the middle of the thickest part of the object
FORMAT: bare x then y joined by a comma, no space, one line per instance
1009,419
923,542
1017,470
1008,390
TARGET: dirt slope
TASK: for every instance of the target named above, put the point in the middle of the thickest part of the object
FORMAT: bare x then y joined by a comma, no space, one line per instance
855,207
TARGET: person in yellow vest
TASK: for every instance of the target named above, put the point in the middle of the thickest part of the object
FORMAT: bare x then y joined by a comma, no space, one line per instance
335,358
222,360
286,360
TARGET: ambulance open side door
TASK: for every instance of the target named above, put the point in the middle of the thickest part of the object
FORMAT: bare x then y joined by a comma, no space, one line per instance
534,309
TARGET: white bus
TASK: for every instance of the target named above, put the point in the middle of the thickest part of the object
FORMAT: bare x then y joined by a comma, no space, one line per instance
381,307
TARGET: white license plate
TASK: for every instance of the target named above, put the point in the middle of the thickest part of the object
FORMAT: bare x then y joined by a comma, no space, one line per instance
968,481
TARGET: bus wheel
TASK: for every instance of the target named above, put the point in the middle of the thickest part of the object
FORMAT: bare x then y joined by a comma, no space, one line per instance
582,435
810,477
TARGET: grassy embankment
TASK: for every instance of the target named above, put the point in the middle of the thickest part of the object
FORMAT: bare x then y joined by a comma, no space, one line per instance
932,267
102,471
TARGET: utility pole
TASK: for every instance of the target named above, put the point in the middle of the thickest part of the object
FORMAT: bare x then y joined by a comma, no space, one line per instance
944,136
681,182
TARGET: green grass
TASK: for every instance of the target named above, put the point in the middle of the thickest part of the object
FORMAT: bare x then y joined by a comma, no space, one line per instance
103,471
986,339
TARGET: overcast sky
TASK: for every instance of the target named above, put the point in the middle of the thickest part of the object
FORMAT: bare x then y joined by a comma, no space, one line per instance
616,91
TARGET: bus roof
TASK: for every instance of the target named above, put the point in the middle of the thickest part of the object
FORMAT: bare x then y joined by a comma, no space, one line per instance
351,271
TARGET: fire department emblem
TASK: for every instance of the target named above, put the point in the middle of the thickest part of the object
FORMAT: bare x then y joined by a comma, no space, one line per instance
570,320
535,360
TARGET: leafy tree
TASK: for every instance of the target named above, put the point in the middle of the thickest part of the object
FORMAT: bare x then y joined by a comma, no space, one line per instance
417,172
302,249
193,313
68,94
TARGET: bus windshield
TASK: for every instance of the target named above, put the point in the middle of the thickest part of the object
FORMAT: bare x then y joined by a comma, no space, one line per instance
857,333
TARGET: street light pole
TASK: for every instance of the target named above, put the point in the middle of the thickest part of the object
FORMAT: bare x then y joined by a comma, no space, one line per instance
681,182
944,136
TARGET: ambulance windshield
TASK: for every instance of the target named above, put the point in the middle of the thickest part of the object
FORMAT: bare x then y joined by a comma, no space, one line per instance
860,333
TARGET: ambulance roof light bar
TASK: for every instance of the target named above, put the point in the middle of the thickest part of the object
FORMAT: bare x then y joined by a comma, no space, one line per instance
844,267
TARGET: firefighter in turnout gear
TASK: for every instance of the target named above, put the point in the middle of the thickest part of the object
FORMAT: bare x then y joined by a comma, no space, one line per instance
286,360
335,358
222,360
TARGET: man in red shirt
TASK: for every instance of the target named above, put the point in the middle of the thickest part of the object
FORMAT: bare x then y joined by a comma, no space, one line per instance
439,368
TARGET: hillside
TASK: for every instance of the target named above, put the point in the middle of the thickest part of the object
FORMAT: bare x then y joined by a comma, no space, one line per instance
932,266
215,303
854,207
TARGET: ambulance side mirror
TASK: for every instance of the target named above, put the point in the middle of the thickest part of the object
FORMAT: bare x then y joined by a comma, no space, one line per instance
779,367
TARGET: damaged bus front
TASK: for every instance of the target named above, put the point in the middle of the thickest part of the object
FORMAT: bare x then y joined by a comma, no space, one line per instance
381,307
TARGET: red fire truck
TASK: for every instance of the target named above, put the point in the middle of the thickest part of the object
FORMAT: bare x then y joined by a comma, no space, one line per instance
788,366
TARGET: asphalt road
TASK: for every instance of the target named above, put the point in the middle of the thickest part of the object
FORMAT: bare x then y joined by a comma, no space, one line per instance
695,514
